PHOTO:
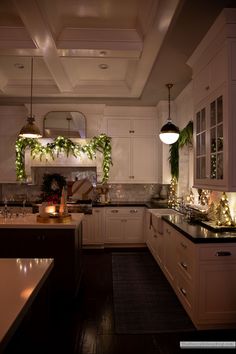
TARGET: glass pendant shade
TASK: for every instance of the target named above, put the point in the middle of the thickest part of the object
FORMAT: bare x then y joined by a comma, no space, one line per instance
30,129
169,133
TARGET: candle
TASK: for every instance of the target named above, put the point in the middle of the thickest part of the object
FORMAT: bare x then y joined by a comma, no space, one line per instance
50,209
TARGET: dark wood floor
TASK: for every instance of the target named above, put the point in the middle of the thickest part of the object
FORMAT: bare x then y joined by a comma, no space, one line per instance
86,326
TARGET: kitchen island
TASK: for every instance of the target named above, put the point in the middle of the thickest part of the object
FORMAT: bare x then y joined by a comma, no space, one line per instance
24,279
24,237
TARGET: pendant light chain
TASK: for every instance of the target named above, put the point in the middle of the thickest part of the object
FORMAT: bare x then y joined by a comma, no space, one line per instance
169,86
31,89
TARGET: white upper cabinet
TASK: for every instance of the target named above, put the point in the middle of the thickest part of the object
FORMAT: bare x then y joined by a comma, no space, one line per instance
214,89
134,160
134,144
125,127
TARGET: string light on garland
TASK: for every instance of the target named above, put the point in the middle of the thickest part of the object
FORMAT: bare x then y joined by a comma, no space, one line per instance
101,143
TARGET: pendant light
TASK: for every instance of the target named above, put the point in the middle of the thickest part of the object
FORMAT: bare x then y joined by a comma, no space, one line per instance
30,130
169,133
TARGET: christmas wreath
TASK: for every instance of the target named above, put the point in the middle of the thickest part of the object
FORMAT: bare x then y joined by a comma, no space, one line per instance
52,187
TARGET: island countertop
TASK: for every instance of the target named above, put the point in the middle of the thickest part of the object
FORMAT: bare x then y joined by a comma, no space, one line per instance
198,233
30,221
20,281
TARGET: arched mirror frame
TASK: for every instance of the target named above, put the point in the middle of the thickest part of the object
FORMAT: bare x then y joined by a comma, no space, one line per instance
67,130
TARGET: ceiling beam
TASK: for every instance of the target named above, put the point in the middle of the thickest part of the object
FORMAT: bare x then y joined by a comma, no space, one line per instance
152,45
32,16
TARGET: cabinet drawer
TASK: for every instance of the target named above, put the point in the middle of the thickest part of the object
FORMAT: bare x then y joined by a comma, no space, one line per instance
124,211
185,263
219,253
184,291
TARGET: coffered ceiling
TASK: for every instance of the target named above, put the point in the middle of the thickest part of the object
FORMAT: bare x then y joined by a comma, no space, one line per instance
108,51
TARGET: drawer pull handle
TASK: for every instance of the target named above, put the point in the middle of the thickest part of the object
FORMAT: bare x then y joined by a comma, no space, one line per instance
184,265
183,245
97,211
133,211
114,211
223,254
183,291
131,131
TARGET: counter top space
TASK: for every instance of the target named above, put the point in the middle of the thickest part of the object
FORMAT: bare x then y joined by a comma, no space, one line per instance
20,281
30,221
197,233
144,204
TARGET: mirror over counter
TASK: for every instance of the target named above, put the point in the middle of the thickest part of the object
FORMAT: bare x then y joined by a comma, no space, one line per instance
64,123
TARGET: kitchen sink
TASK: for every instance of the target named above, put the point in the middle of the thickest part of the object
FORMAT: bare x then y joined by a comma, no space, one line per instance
164,211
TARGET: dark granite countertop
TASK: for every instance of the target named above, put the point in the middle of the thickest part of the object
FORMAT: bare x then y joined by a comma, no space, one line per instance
198,233
148,205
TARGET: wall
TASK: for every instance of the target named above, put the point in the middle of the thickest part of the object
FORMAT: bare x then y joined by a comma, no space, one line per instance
12,119
184,112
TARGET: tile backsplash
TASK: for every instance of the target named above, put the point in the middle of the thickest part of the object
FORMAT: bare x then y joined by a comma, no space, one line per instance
118,192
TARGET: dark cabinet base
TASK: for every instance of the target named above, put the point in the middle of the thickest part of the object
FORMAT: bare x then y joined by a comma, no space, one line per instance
63,245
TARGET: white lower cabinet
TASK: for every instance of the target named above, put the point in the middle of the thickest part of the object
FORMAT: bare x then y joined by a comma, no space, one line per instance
154,237
124,225
93,227
203,277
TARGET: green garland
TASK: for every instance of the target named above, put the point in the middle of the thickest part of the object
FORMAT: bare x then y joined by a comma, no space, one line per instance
101,143
185,138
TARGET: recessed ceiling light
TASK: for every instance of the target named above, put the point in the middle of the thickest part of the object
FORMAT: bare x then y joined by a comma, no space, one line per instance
19,66
103,66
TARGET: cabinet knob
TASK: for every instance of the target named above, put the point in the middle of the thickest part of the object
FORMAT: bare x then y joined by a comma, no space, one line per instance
133,211
207,87
183,291
184,265
155,236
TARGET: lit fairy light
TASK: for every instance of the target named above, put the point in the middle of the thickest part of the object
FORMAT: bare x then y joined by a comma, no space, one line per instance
101,143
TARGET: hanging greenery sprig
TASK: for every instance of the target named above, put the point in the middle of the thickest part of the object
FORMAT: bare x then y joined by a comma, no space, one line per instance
185,138
101,143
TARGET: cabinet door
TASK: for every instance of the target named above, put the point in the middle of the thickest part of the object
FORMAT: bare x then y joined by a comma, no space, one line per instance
133,230
119,127
99,225
144,127
217,292
169,256
122,127
210,162
88,229
121,158
144,159
115,230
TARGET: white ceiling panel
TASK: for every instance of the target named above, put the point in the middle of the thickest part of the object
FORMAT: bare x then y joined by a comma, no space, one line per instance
91,69
143,43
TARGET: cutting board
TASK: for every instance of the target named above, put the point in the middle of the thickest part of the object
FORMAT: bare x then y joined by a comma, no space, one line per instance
81,189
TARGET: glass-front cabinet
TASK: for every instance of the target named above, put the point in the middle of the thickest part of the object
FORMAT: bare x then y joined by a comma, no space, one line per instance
209,144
